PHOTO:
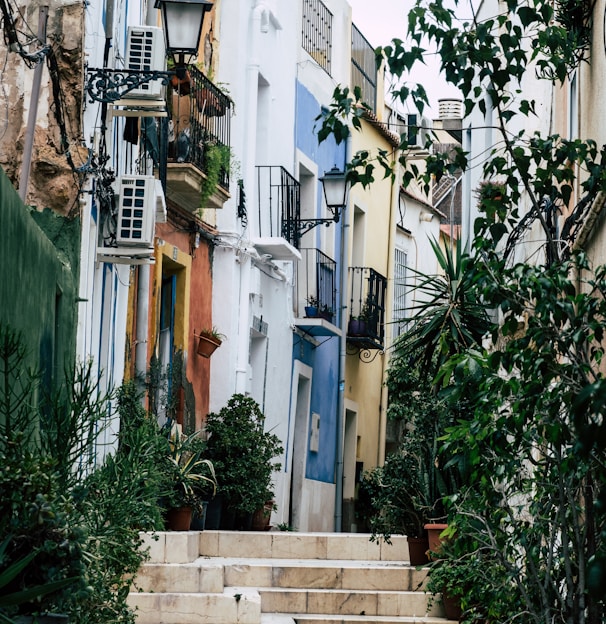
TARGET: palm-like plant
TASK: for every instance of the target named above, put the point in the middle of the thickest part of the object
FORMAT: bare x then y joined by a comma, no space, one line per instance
191,477
448,315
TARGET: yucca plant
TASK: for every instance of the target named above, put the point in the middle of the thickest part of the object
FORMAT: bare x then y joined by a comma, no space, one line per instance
448,315
191,478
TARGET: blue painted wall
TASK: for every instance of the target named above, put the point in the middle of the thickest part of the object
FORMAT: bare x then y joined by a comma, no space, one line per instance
323,359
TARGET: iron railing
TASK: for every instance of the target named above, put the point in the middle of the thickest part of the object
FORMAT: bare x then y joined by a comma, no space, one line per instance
316,283
367,291
278,203
198,123
317,32
363,67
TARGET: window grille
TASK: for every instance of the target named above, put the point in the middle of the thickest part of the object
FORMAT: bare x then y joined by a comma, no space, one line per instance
399,295
363,68
317,32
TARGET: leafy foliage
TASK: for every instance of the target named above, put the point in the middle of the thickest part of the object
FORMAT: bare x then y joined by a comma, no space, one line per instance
70,529
243,453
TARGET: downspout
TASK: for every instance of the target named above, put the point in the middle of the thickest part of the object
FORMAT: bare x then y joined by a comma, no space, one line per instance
143,282
344,255
28,145
258,25
395,199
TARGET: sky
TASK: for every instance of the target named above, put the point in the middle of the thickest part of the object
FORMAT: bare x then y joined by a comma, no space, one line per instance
382,20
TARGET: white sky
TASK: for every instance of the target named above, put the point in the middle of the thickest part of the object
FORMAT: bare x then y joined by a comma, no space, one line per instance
382,20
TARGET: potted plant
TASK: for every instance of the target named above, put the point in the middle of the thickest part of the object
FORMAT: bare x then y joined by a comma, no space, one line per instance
358,325
326,312
243,454
188,475
208,341
311,309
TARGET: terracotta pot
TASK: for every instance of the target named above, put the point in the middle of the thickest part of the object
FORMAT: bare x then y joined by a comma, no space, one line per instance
207,346
433,534
260,519
179,518
418,548
452,607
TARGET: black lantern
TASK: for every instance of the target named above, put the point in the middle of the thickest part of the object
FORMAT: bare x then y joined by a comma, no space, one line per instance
335,190
182,21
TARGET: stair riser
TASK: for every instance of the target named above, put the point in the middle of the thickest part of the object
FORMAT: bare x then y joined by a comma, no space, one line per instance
186,546
297,577
195,609
183,578
345,603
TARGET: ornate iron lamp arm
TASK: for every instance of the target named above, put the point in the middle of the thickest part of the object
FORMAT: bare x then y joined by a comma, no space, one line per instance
109,85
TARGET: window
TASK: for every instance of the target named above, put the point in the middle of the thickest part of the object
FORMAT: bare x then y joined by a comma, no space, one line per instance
363,68
399,295
317,32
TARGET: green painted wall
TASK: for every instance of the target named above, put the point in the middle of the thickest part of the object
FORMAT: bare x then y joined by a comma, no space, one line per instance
39,281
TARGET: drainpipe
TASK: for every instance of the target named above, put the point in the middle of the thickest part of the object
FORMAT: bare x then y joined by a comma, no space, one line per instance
259,21
28,145
143,281
342,355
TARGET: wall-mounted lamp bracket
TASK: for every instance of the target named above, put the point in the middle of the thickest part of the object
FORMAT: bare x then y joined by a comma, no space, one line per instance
110,85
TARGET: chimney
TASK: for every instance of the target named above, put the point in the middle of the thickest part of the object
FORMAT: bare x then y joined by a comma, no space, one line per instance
451,113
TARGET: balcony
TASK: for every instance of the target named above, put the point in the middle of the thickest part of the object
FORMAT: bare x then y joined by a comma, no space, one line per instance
316,294
366,325
278,207
197,139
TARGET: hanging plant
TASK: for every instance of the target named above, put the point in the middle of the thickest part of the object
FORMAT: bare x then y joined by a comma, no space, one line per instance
216,161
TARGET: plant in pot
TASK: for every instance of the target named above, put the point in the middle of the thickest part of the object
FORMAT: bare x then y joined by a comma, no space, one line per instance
188,474
358,324
394,494
208,341
312,307
243,454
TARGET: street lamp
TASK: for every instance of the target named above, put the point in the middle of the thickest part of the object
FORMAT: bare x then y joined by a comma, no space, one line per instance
335,191
182,22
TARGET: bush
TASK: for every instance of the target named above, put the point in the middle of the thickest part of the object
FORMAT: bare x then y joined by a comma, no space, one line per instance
242,453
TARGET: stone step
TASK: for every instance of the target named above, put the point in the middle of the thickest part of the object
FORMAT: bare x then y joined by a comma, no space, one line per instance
186,546
231,607
212,575
345,602
307,618
352,575
288,545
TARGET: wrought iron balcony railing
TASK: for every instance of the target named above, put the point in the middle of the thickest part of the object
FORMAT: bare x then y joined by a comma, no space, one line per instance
316,287
199,124
367,291
278,203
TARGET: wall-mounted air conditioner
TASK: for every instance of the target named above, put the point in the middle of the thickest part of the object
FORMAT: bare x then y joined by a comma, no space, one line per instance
146,51
136,211
418,129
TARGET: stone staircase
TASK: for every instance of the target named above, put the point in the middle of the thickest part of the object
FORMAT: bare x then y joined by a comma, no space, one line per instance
230,577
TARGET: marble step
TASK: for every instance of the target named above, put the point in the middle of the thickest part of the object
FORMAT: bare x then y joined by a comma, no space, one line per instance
307,618
342,574
287,545
186,546
346,602
212,575
230,607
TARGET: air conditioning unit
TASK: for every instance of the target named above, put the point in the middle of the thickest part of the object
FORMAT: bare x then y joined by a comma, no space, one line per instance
418,130
146,51
136,211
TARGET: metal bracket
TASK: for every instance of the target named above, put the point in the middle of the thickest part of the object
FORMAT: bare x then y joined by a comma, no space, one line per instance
109,85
